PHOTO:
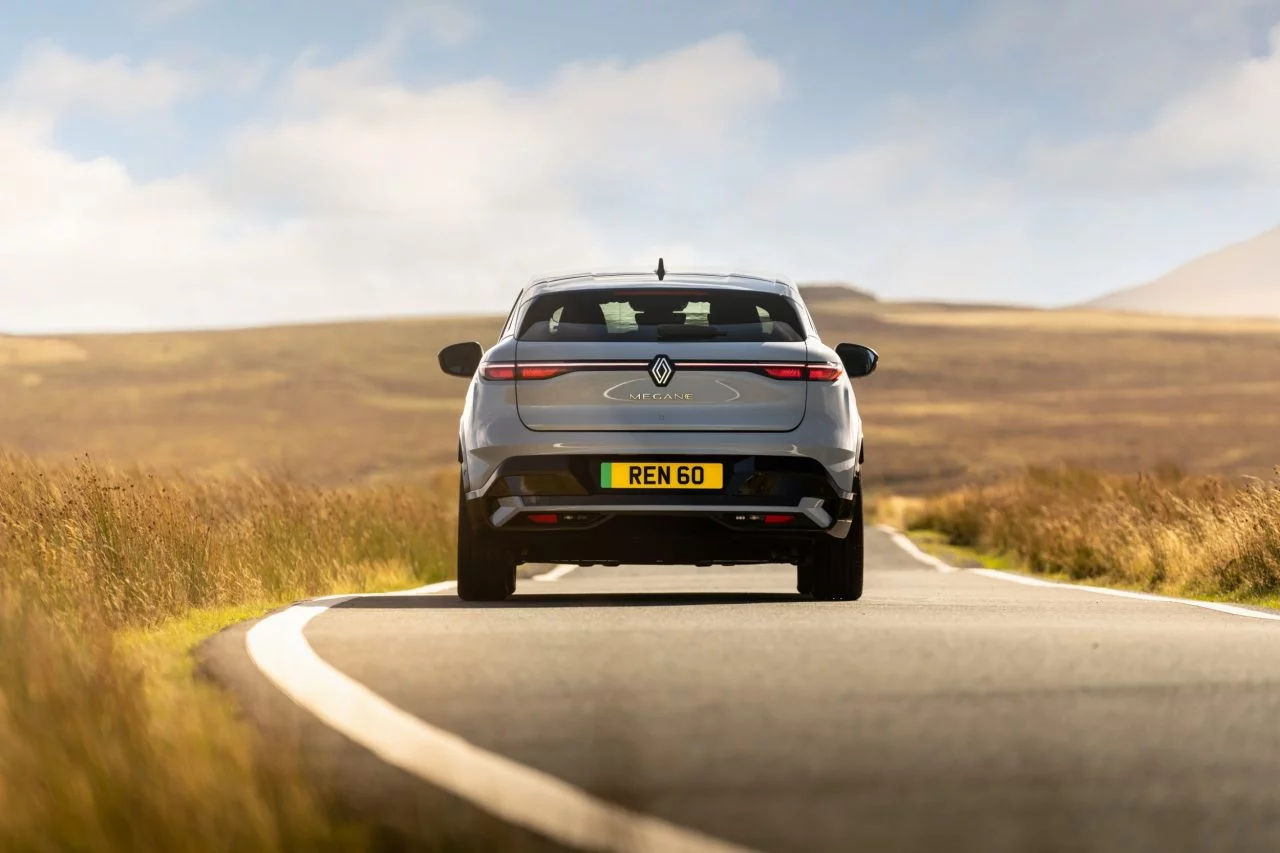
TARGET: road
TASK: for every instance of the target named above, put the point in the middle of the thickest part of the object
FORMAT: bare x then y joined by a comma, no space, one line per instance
945,711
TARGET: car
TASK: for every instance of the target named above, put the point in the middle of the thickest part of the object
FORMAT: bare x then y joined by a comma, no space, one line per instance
649,418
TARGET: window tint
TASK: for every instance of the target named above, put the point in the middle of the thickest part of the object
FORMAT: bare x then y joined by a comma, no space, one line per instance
656,314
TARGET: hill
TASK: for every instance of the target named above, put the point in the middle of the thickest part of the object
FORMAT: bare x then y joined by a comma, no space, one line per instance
820,291
1242,280
963,393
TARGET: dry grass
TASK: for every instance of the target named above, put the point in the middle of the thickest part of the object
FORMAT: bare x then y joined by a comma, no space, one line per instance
1165,532
106,579
964,394
956,404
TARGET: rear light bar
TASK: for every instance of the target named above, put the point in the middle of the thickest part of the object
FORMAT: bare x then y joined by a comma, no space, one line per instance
538,371
503,372
811,372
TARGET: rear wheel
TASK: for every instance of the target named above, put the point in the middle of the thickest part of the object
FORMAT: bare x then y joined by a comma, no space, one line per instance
486,570
836,565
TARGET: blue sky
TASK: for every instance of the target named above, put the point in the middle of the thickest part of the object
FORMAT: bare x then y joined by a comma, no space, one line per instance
194,163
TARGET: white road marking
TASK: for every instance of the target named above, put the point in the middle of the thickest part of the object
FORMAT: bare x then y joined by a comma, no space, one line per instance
904,542
508,790
556,573
928,559
1230,609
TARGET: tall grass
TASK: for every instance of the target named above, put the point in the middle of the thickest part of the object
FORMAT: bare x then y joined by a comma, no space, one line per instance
94,754
1163,531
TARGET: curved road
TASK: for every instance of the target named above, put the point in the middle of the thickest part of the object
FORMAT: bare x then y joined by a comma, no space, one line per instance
945,711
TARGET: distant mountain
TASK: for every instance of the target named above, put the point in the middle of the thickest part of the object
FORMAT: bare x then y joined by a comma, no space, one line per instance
817,291
1239,281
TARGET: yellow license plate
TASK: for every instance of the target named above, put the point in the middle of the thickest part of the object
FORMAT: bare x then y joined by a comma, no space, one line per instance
661,475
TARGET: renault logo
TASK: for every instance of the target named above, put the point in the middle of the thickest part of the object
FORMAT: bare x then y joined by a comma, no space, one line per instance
661,371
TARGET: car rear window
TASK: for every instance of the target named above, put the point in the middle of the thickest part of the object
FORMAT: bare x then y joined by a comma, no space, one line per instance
661,315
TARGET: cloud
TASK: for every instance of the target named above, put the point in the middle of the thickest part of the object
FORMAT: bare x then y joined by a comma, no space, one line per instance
365,196
49,81
1226,129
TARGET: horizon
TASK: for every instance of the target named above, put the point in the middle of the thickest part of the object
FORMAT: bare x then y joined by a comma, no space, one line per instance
200,164
497,313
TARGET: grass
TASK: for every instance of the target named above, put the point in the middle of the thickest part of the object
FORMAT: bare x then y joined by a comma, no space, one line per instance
108,577
107,581
964,394
1165,531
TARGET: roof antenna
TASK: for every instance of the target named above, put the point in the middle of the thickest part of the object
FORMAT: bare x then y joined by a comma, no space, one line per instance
661,270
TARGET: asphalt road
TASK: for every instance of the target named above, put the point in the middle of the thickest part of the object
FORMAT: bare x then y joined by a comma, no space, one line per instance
949,712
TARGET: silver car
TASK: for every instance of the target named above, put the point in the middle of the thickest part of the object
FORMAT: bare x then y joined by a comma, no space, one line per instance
650,418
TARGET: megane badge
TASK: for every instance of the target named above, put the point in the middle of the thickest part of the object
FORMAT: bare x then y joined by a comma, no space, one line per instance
661,371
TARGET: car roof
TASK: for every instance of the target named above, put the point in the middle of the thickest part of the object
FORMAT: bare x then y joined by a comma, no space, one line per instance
634,278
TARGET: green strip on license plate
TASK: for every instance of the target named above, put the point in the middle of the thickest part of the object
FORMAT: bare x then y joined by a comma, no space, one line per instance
661,475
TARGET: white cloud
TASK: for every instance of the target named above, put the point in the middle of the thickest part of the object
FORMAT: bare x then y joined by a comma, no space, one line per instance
49,81
1226,128
365,196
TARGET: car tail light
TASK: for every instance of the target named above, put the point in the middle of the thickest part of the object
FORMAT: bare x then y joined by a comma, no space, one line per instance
539,371
822,372
505,371
812,372
498,372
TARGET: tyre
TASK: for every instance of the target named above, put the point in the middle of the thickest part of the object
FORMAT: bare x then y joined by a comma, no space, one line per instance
837,563
486,571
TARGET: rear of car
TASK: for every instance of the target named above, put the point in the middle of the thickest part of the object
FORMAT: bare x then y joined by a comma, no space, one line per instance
694,420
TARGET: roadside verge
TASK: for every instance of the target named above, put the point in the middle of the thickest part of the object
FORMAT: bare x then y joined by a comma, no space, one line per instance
917,548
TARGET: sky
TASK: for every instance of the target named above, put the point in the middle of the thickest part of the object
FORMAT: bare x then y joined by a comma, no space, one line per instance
211,163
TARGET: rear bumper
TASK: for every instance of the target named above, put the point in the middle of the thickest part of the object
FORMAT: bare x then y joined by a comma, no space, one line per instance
552,509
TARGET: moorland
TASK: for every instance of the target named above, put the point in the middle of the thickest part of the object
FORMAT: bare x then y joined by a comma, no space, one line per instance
964,394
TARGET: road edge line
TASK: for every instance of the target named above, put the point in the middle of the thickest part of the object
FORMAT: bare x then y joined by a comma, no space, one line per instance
1013,577
510,791
904,542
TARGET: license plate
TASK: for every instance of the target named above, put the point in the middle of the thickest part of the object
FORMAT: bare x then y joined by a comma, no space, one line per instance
661,475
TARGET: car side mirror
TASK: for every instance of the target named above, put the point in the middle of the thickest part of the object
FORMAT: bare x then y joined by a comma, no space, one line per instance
461,359
858,360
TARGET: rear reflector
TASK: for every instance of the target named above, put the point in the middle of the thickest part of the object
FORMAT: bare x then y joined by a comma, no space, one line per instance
543,518
760,518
